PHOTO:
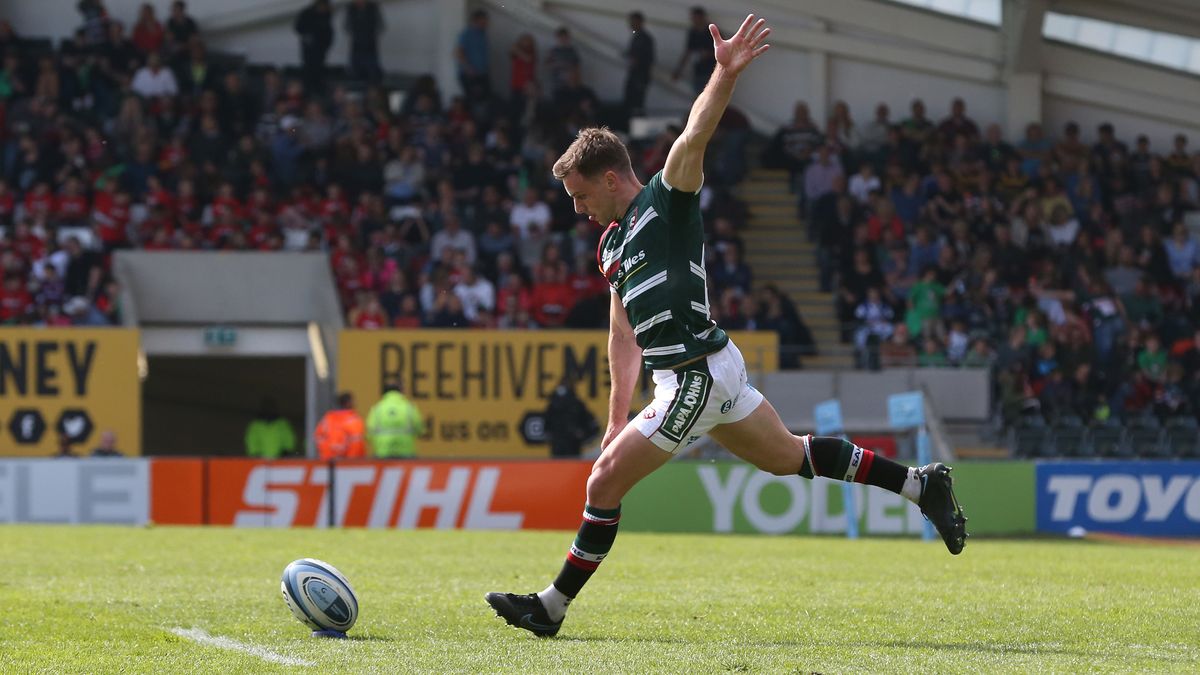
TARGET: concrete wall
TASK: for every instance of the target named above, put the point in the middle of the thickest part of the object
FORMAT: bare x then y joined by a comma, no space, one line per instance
246,287
1059,111
864,85
955,394
412,43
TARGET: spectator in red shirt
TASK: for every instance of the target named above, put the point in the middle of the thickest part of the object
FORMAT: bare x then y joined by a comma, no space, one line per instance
26,243
367,313
334,203
104,195
7,203
511,283
223,229
552,298
260,200
111,221
15,301
72,208
523,59
148,33
173,154
584,280
187,206
348,277
884,218
409,315
343,248
160,240
264,231
226,202
158,196
39,202
513,316
156,220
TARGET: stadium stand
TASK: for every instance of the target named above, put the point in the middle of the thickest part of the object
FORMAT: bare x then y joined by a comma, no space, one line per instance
1067,268
431,215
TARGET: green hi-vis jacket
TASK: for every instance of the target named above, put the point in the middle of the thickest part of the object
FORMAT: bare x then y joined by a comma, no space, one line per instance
393,426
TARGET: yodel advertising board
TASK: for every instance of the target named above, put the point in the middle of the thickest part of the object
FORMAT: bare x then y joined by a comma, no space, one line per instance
1134,498
69,382
735,497
482,393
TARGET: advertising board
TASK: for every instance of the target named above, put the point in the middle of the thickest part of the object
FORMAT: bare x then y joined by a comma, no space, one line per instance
71,381
1135,498
483,392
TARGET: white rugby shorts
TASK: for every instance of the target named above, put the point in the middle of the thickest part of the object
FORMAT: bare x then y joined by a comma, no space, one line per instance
690,401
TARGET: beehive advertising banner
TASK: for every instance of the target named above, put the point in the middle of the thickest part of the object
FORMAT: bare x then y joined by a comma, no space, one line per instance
72,382
482,392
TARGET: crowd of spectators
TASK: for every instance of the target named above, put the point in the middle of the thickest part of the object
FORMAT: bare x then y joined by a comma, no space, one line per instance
434,212
1065,265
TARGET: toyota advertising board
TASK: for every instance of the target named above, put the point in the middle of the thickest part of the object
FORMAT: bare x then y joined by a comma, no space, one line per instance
1133,498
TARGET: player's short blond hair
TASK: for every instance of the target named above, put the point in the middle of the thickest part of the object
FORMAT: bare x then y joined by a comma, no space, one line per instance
594,151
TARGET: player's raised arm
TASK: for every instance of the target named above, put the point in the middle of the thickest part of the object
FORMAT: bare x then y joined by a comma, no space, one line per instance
685,163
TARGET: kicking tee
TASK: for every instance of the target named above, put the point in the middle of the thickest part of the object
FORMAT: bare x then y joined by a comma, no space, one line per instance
653,259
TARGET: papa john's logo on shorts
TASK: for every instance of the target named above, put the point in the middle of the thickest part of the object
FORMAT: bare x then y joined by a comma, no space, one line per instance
690,399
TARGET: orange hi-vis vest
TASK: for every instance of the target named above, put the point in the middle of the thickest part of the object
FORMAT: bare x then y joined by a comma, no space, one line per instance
340,435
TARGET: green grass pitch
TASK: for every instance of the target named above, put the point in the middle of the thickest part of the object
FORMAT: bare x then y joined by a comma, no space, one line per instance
100,599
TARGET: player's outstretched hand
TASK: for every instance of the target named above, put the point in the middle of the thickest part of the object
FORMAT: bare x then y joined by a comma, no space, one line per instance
746,44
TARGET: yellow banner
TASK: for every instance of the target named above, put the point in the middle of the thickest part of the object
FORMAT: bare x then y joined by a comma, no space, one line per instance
70,382
478,389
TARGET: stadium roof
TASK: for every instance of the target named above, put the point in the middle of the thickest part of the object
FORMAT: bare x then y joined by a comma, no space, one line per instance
1163,33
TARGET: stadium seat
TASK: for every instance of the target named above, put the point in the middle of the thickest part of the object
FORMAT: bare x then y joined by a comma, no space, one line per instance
1181,438
1029,441
1107,440
1144,437
1068,438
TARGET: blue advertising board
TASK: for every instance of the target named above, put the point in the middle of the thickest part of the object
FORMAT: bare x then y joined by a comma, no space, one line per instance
906,410
827,418
1137,498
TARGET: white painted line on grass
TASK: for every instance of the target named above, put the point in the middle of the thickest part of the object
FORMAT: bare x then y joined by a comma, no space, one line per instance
202,637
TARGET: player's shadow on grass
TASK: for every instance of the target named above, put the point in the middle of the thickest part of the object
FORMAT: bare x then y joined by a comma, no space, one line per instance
606,638
892,644
370,638
976,647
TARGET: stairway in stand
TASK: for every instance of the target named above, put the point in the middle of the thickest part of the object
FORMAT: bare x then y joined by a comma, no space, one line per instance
778,251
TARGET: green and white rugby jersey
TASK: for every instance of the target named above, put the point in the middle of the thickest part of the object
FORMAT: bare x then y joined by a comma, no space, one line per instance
653,259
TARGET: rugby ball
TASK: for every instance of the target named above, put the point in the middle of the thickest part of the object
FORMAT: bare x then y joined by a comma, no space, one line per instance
319,596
